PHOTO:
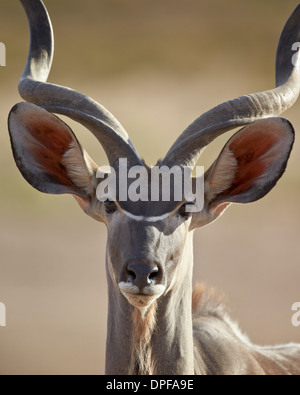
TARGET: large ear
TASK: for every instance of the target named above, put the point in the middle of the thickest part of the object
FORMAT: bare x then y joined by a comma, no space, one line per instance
250,164
48,154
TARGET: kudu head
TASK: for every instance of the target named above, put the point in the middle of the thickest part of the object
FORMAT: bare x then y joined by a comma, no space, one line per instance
148,239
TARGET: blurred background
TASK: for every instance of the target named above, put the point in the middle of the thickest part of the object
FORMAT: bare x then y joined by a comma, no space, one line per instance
157,65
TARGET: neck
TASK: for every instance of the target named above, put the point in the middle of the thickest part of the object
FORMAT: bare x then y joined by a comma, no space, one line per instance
158,342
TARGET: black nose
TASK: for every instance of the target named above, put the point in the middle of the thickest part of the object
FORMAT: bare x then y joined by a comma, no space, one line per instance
142,274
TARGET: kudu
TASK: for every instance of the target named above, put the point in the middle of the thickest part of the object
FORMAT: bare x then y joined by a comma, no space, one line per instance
156,323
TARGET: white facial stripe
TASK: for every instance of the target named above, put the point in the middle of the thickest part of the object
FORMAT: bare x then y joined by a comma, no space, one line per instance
145,218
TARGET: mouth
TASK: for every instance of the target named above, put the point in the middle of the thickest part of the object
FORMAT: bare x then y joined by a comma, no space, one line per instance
141,299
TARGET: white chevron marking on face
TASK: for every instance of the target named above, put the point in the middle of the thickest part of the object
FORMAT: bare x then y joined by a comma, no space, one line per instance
145,218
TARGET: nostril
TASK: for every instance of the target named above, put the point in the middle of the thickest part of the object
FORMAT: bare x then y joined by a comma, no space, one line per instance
141,274
131,275
153,275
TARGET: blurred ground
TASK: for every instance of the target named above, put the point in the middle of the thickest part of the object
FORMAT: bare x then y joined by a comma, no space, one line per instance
157,66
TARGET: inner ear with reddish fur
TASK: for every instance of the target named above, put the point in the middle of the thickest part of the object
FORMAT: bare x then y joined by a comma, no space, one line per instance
250,164
40,142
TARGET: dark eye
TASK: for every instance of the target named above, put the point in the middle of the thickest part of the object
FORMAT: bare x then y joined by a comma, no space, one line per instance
183,212
110,207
